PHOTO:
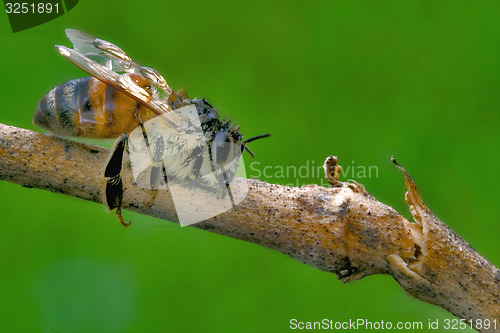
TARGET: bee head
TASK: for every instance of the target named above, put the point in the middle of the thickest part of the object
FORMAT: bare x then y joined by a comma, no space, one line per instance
226,146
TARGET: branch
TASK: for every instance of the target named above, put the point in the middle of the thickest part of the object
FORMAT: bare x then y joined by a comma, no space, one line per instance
343,229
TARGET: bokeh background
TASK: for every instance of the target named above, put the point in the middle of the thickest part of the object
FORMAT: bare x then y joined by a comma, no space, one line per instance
363,80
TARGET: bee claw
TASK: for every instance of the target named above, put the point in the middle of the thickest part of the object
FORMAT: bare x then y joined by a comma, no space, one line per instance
118,214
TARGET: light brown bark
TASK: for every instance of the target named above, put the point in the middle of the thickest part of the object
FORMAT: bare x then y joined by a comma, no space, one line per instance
343,230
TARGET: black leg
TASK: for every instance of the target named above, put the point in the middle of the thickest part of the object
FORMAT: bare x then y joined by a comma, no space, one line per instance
224,183
114,186
227,187
157,161
157,165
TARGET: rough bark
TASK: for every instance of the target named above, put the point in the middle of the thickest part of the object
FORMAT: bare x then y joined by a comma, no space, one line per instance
342,229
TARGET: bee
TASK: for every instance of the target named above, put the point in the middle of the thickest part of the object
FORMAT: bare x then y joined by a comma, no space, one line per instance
169,138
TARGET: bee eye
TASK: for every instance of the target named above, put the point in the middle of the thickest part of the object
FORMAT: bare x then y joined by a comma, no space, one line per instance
222,148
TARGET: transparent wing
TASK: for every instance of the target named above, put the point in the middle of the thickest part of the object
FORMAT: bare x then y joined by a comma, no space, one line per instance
90,46
82,42
110,64
85,44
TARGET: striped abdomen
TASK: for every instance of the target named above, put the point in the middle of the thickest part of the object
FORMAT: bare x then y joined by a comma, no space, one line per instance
87,107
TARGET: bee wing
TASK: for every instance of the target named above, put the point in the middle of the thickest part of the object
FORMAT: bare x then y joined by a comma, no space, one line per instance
123,82
107,62
93,47
82,42
118,60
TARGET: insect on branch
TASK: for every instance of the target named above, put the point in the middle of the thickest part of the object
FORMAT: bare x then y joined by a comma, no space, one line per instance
166,136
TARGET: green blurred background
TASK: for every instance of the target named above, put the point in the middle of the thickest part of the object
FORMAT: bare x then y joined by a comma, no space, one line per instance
362,80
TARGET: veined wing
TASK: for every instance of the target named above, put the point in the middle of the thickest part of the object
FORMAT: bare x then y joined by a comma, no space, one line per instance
110,64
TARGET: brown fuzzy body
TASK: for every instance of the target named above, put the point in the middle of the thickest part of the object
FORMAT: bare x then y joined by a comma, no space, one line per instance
87,107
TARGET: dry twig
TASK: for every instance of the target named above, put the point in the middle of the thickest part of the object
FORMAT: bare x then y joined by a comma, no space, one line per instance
343,229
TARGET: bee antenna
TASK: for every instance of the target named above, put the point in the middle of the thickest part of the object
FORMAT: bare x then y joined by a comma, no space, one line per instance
248,150
244,143
257,137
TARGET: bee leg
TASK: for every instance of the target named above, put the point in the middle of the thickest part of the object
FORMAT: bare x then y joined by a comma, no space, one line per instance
228,189
152,198
114,185
154,182
224,184
158,166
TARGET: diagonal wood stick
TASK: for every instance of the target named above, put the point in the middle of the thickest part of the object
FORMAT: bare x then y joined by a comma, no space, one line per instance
343,229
